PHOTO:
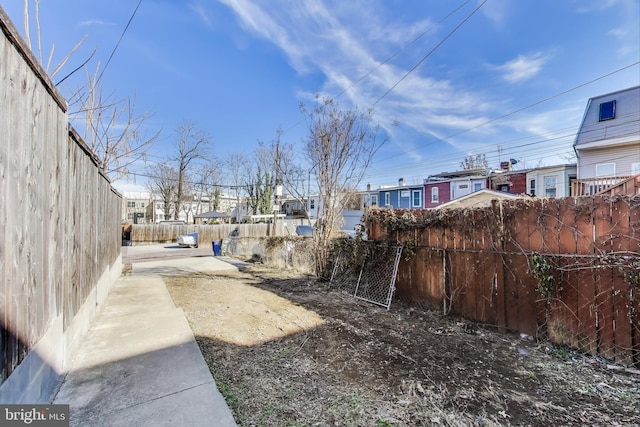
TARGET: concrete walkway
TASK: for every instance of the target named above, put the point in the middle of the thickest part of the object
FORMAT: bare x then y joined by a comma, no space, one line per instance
139,364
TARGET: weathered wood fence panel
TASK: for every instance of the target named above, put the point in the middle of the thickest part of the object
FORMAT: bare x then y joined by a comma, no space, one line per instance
160,233
477,263
59,226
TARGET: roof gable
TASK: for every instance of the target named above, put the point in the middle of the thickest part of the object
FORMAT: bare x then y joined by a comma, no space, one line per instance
605,123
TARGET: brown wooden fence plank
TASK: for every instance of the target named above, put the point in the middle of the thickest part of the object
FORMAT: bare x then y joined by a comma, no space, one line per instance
467,279
622,327
455,293
500,291
634,223
509,226
634,320
517,267
535,221
551,227
521,229
513,301
583,223
621,230
422,237
606,318
562,326
602,224
586,312
484,273
568,230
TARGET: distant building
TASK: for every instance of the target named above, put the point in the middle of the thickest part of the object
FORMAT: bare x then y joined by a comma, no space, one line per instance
444,187
551,181
608,142
402,196
134,207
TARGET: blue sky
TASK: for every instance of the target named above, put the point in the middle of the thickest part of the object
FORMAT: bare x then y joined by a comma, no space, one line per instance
504,78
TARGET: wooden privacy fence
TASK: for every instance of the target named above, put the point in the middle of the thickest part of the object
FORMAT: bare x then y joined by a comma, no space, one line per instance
161,233
565,269
59,228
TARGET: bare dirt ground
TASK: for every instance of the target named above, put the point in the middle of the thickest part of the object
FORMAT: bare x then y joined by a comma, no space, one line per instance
288,350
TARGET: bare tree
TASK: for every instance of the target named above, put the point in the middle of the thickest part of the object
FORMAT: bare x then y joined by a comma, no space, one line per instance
192,145
112,130
280,158
208,180
340,147
236,164
259,186
27,35
163,183
474,162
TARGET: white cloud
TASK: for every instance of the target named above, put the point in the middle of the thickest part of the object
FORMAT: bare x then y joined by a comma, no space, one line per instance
496,11
92,22
202,13
332,39
595,5
523,67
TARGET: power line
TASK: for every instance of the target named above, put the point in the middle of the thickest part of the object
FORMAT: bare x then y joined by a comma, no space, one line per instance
421,35
119,40
359,80
519,110
430,52
144,175
551,137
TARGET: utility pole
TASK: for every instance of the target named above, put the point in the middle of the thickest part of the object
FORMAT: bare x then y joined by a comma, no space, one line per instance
276,186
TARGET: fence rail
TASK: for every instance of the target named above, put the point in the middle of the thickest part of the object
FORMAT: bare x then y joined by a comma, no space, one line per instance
565,269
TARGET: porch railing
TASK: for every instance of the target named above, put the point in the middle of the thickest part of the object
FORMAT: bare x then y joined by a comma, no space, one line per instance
593,186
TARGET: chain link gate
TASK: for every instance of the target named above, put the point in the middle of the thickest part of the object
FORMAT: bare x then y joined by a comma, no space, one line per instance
374,279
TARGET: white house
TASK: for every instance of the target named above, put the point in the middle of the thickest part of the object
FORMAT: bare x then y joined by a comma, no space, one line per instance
194,206
551,181
608,142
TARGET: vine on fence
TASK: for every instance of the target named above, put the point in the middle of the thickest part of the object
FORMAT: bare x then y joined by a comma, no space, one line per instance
543,271
631,272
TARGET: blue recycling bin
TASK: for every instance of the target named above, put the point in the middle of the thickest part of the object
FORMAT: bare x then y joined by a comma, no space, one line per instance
216,247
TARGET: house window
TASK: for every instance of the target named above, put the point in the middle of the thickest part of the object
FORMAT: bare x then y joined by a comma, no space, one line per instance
404,194
416,199
503,187
131,204
463,186
374,200
387,199
532,187
312,204
605,169
477,186
550,186
635,168
607,111
434,194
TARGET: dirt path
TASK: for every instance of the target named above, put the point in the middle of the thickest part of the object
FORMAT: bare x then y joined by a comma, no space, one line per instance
290,351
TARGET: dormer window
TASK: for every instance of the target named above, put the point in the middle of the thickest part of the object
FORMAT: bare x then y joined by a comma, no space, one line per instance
607,111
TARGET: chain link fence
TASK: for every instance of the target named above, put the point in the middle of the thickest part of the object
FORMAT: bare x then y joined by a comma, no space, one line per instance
366,270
